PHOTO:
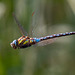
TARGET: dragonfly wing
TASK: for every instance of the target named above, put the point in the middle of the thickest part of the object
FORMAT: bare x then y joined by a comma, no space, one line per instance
33,23
45,42
23,32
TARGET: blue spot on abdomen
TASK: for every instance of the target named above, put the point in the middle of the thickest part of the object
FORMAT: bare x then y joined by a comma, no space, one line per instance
37,40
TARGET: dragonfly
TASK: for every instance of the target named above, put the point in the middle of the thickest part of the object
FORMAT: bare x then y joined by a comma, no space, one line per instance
25,41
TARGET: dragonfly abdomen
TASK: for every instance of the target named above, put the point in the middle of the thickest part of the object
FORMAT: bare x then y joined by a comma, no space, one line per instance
56,35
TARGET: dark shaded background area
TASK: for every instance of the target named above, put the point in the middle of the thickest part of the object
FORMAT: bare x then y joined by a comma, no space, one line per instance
51,16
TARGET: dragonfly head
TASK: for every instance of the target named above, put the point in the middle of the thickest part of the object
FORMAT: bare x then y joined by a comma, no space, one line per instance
14,44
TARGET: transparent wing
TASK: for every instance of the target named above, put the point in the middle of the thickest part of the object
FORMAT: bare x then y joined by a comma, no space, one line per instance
23,32
34,23
45,42
37,24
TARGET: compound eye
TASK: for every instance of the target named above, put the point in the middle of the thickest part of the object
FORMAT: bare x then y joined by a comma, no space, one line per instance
14,42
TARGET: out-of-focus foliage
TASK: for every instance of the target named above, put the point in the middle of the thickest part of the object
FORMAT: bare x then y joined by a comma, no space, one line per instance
50,17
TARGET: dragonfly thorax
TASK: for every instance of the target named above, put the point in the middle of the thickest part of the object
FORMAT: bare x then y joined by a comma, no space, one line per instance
23,42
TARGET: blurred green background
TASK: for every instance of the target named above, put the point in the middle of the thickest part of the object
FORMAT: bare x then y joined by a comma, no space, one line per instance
51,16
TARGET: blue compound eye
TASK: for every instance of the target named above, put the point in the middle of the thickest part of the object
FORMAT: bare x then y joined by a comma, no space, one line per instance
14,42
